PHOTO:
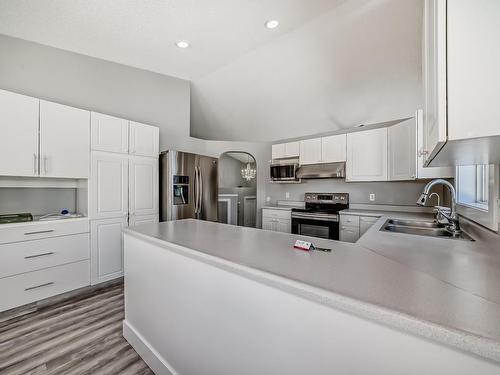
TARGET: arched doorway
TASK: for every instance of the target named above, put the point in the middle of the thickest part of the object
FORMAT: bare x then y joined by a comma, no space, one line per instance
237,189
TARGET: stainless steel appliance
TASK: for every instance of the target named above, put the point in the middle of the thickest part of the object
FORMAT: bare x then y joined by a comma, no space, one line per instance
326,170
320,217
284,172
188,186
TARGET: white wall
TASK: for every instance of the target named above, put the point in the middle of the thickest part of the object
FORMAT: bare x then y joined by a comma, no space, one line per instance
359,63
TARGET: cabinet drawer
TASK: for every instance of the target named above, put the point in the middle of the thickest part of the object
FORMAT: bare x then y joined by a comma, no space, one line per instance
38,230
27,256
277,214
349,220
33,286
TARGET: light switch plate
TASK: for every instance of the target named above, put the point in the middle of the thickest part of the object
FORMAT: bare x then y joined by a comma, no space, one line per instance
372,197
287,195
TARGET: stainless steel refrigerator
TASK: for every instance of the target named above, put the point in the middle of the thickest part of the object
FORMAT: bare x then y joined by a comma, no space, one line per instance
188,186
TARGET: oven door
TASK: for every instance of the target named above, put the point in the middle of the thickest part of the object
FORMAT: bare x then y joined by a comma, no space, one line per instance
305,225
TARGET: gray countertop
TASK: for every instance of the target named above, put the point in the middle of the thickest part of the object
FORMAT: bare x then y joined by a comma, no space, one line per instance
445,290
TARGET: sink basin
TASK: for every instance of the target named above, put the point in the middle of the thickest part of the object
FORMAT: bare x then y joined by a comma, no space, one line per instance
422,228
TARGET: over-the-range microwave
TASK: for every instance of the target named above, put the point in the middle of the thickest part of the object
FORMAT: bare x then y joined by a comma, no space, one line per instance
284,172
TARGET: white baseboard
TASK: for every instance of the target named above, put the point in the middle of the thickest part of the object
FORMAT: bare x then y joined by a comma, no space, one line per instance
146,352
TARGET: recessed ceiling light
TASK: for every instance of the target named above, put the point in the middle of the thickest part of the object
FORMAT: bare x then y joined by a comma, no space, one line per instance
182,44
272,24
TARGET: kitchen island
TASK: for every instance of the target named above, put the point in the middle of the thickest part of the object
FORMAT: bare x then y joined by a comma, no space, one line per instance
209,298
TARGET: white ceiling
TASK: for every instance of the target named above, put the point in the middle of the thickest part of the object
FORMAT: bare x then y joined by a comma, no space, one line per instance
142,33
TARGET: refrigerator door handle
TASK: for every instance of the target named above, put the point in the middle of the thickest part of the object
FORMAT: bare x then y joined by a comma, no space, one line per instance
195,189
200,195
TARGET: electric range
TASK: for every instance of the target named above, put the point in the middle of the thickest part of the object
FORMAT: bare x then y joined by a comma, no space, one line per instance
320,217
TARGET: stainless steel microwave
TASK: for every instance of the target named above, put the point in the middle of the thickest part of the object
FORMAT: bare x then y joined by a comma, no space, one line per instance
283,172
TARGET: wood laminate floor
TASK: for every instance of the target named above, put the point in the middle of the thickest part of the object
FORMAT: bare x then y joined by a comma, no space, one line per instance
82,335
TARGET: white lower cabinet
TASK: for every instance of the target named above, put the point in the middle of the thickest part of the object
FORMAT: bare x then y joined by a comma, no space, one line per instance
143,219
277,220
106,249
352,227
27,256
33,286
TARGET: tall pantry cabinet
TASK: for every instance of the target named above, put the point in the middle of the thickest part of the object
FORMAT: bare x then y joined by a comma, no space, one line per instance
123,188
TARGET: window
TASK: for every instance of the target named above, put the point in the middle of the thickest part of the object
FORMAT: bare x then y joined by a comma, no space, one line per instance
477,194
472,186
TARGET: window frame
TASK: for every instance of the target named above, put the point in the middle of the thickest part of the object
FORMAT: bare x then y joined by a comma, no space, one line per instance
483,214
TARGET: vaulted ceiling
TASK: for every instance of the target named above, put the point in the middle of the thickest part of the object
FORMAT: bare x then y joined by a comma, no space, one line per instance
331,64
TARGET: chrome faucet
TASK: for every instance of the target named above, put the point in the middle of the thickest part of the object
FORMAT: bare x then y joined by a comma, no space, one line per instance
450,214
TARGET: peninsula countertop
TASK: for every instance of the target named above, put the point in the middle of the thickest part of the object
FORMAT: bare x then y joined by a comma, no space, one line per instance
358,278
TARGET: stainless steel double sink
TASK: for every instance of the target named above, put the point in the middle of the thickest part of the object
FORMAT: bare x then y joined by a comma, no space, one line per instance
422,228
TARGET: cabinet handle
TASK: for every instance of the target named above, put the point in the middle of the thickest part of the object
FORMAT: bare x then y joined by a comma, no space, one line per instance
35,164
45,169
38,286
39,232
38,255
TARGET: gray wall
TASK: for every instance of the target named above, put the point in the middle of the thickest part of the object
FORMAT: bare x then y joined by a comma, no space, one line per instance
98,85
37,201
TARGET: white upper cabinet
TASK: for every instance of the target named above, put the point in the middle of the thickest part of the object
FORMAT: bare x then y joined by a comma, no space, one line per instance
427,172
434,75
108,185
367,155
402,151
143,186
109,133
310,151
473,30
64,141
19,138
333,148
144,139
286,150
323,150
461,80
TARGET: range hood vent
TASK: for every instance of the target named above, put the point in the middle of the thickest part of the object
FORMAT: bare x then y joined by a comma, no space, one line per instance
325,170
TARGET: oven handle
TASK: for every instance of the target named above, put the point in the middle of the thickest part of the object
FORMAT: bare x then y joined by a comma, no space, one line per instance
315,218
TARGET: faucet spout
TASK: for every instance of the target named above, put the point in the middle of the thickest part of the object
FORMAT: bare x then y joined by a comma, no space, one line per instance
452,217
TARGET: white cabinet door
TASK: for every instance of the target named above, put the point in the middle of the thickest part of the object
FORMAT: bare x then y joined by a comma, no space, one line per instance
434,75
143,219
144,139
108,185
365,223
292,149
268,223
108,133
310,151
473,58
143,185
367,155
285,150
106,249
282,225
428,172
19,134
64,141
349,234
402,151
333,148
278,151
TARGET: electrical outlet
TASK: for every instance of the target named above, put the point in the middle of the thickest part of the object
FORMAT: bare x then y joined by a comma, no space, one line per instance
287,195
372,197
